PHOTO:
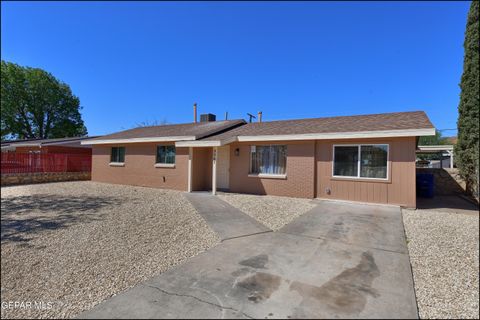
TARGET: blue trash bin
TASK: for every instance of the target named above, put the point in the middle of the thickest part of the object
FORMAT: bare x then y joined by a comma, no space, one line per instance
425,185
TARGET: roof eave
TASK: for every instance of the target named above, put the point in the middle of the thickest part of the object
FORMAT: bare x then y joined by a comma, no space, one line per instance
26,145
139,140
206,143
342,135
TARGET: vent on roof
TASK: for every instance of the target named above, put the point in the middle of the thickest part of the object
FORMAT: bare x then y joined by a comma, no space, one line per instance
207,117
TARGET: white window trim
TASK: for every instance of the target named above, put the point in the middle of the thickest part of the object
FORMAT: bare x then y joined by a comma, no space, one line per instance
117,164
359,147
164,165
266,175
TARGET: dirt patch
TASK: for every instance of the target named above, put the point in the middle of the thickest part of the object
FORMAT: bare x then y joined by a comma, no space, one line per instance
274,212
443,249
75,244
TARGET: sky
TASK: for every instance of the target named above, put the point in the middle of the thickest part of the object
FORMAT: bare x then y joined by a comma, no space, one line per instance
147,62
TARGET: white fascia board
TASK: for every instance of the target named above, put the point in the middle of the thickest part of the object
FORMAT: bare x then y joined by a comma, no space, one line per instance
139,140
62,143
209,143
436,148
342,135
26,145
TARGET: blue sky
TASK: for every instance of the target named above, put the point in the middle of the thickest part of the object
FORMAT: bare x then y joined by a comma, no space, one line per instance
131,62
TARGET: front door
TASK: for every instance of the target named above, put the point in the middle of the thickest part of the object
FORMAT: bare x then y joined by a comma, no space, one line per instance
223,168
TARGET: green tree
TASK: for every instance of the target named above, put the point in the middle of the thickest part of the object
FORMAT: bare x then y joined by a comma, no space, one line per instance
34,104
466,150
435,140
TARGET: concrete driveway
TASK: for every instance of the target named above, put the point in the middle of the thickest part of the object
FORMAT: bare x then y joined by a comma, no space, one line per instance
336,261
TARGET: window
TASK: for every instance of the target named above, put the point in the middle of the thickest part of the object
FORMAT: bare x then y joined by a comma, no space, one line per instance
117,154
268,159
374,161
361,161
165,154
346,161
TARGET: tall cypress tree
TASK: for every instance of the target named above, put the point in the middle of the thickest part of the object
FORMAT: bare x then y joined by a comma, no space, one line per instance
466,150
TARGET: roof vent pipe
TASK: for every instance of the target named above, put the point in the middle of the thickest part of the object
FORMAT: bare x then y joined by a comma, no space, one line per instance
259,116
195,112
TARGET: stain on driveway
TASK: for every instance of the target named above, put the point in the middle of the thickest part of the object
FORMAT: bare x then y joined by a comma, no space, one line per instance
316,267
345,294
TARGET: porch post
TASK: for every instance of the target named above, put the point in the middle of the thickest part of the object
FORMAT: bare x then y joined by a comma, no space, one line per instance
214,171
190,156
451,159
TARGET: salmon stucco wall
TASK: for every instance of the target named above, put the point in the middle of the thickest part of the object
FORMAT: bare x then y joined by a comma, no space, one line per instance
139,169
300,171
399,189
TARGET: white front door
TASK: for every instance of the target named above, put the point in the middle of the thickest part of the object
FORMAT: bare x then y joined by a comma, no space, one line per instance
223,167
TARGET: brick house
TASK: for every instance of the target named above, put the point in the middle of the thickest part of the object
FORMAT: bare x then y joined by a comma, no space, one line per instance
366,158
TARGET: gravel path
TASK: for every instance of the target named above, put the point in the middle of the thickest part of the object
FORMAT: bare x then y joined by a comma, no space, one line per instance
75,244
443,250
273,212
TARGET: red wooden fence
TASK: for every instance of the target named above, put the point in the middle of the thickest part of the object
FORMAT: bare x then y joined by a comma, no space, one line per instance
13,162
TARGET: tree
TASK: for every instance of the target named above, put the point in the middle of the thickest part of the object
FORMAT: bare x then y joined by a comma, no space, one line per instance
148,123
34,104
437,139
466,150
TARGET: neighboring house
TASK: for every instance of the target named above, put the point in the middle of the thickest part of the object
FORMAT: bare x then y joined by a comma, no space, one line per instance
444,154
60,145
367,158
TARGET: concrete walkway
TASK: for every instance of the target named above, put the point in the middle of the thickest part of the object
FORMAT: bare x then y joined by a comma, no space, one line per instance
227,221
336,261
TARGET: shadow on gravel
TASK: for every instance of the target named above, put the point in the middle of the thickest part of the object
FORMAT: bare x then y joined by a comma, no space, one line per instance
24,216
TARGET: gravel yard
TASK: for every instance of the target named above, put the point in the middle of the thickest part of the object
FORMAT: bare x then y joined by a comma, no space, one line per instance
273,212
443,250
75,244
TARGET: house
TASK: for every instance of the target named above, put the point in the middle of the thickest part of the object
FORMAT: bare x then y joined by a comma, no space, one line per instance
367,158
444,155
59,145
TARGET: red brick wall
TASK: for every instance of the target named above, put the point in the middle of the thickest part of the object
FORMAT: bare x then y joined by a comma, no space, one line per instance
139,167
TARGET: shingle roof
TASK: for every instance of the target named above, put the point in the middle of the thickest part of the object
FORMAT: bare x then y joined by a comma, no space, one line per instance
44,141
197,130
371,122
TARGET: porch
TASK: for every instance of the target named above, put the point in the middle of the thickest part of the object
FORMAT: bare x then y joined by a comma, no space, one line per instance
208,168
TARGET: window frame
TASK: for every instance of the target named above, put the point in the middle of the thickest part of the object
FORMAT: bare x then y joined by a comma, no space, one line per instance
118,163
266,175
165,164
359,150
